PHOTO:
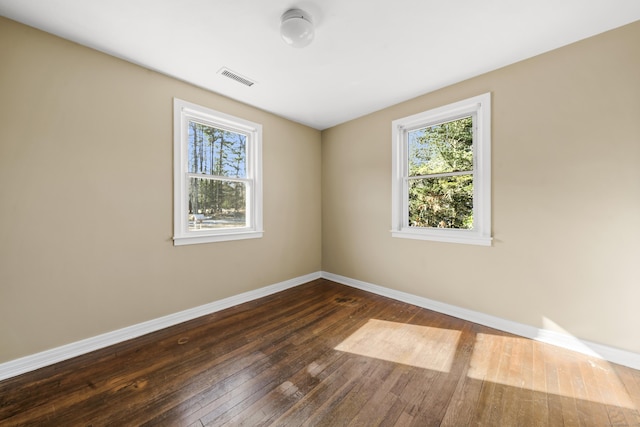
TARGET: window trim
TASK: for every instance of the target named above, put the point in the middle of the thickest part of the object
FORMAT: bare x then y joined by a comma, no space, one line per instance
480,108
182,112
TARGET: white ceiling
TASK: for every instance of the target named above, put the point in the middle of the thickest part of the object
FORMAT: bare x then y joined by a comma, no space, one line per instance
367,54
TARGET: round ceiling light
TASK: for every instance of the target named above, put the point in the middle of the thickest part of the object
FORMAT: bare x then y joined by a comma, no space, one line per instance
296,28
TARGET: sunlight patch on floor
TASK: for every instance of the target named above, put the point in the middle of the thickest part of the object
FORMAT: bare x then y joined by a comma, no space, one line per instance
502,360
420,346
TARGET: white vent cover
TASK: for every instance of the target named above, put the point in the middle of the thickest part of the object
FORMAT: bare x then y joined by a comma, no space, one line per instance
235,76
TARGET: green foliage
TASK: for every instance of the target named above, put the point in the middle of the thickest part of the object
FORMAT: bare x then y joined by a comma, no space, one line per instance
441,201
216,154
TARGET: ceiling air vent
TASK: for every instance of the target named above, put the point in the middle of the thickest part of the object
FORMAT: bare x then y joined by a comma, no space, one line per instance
235,76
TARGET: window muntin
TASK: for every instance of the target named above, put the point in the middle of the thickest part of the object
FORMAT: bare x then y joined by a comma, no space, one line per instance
216,176
441,173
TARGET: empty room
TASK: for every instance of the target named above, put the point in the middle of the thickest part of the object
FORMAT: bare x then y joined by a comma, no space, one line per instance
319,213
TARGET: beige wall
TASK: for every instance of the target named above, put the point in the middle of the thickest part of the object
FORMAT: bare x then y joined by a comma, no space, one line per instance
86,198
566,197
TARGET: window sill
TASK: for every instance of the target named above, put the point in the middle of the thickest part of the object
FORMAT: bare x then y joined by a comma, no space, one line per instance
448,236
212,238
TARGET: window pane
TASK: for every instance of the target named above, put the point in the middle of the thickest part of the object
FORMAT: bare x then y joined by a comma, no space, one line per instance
441,202
441,148
215,151
216,204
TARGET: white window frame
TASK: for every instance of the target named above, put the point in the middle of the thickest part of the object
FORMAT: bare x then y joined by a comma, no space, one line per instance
184,111
479,107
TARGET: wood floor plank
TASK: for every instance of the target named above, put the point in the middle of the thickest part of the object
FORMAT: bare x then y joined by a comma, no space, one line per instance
566,391
539,384
462,407
377,410
367,311
631,381
500,378
599,412
526,409
272,339
451,363
324,354
488,357
304,407
619,405
516,401
346,407
554,396
587,410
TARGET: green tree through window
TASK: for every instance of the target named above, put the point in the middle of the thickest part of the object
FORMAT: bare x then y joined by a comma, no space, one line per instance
440,180
441,173
217,176
215,154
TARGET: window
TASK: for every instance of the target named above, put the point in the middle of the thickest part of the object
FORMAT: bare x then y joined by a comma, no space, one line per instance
441,186
217,176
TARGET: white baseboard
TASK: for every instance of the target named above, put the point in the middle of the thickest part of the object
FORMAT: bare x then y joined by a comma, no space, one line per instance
49,357
611,354
29,363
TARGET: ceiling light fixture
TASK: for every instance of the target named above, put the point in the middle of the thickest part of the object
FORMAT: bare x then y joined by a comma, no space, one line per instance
296,28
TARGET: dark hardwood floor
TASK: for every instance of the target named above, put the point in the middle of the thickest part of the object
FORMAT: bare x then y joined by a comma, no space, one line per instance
328,355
